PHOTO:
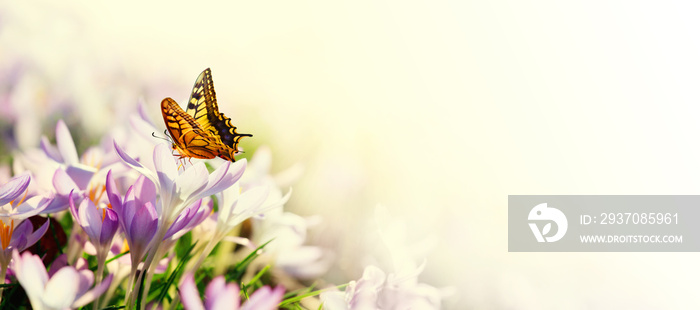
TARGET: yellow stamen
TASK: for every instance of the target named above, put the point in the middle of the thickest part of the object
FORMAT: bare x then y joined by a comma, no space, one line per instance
95,193
95,197
91,193
125,247
6,233
12,203
92,160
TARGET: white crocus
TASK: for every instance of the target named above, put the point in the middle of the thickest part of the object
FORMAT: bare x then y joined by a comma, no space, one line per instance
68,288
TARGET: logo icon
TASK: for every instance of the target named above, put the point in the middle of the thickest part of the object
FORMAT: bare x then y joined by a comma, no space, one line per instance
542,213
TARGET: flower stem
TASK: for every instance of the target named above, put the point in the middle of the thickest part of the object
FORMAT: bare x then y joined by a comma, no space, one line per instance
130,282
3,272
157,242
101,258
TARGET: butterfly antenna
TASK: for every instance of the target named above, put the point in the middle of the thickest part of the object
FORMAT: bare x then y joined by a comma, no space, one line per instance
167,136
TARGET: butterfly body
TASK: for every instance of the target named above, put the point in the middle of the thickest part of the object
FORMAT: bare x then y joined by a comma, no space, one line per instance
202,131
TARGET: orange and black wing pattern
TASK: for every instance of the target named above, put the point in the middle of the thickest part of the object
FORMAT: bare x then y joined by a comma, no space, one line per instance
205,110
189,139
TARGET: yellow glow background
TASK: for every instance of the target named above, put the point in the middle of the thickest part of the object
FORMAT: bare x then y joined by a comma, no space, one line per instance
437,110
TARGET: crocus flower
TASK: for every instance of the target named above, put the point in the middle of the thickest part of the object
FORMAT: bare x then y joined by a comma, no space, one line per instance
22,238
399,289
66,154
192,216
136,213
222,296
100,224
289,251
14,209
74,174
68,288
14,205
236,207
179,189
376,290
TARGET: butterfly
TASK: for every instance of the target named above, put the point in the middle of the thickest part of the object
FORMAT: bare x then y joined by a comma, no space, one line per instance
202,131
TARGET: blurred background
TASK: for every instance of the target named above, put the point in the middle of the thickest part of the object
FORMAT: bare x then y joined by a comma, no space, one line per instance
436,110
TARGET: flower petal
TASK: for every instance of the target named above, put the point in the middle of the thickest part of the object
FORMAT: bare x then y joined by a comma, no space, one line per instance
189,293
192,216
334,300
165,165
135,164
32,238
58,263
222,297
143,228
31,207
224,176
248,204
144,190
50,150
113,194
189,183
81,174
14,189
141,126
31,274
24,228
228,203
179,223
63,183
58,204
264,298
65,144
90,219
141,108
94,293
87,279
62,288
109,227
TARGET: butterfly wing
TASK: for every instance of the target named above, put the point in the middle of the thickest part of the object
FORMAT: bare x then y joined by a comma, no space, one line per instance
205,110
189,139
197,106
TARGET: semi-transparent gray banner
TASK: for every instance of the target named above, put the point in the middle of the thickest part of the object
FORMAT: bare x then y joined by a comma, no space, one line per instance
603,223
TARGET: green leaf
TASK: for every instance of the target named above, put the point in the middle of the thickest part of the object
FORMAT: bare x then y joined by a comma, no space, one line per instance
258,275
183,244
309,293
240,268
176,274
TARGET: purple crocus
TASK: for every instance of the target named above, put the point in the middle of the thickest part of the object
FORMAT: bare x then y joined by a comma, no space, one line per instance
192,216
14,204
180,188
100,224
21,238
222,296
177,189
136,213
14,209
